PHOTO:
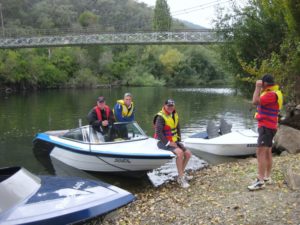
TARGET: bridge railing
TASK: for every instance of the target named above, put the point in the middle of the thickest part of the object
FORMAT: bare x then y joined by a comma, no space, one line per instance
29,32
66,37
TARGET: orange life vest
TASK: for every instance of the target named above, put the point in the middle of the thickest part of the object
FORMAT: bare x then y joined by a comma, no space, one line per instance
98,112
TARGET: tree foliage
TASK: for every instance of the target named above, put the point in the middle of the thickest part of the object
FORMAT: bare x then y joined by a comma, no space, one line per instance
263,37
162,20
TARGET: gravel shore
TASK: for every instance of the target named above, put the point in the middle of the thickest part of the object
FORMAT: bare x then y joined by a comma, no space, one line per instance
217,195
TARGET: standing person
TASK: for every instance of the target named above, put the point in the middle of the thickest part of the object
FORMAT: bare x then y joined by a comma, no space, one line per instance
268,99
101,117
167,131
124,109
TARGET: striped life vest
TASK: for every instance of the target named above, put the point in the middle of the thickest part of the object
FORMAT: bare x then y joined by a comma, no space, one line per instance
267,115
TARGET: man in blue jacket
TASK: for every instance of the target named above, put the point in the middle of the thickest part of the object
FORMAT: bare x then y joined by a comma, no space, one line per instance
124,109
124,112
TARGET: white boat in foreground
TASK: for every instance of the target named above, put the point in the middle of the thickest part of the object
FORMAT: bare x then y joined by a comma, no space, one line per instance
29,199
129,151
235,143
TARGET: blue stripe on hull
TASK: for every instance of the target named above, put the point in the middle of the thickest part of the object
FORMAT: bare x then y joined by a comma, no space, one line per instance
45,138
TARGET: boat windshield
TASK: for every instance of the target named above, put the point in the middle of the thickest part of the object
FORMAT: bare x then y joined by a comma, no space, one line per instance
116,133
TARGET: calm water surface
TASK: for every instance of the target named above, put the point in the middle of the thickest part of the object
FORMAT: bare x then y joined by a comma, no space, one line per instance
24,115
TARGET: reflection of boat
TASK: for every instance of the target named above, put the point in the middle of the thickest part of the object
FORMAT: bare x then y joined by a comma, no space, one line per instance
28,199
235,143
129,149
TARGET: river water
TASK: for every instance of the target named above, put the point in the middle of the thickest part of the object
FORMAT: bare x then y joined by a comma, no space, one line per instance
24,115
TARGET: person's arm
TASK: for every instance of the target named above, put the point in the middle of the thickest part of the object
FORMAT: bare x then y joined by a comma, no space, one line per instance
256,94
118,113
111,118
130,118
178,132
93,120
159,126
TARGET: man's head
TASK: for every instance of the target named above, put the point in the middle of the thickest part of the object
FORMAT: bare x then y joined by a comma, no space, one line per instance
169,105
127,99
267,80
101,102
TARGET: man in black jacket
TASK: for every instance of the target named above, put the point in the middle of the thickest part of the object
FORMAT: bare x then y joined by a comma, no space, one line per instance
101,117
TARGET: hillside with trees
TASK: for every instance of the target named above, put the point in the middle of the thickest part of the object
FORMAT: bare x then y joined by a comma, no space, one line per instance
93,66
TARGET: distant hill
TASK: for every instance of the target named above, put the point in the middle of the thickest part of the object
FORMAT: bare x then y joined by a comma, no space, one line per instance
112,15
192,25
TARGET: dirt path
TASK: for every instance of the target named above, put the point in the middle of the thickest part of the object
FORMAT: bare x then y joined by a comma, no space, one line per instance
218,195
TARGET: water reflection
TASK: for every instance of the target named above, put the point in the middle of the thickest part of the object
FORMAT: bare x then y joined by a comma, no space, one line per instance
222,91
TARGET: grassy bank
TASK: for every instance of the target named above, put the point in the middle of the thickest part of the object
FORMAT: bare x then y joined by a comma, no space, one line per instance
218,195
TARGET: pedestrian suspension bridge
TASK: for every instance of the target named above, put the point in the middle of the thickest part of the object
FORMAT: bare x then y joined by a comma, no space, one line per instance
49,38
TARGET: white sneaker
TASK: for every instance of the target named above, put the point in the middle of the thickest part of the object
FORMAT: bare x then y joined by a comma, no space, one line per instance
182,182
256,185
188,177
268,180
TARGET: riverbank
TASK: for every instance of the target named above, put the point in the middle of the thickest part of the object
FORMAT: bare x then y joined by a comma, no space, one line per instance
217,195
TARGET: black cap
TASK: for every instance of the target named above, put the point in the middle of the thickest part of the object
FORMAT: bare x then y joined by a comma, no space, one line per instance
170,102
101,99
268,78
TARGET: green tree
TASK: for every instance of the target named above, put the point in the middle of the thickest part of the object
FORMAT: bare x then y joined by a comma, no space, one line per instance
162,20
264,38
87,19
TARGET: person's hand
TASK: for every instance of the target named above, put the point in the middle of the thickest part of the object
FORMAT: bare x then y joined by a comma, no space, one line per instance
258,84
104,123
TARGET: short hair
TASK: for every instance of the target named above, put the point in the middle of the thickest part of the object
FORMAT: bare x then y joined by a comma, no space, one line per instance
268,78
127,94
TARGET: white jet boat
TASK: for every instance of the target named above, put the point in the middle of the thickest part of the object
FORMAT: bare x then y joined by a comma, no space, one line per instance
235,143
33,200
126,149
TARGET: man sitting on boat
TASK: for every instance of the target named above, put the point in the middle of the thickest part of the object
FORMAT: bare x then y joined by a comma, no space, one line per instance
167,131
124,109
101,117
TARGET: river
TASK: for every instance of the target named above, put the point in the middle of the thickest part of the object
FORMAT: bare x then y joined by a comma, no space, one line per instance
24,115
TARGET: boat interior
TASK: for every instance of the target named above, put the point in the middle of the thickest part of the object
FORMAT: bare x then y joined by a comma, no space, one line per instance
116,133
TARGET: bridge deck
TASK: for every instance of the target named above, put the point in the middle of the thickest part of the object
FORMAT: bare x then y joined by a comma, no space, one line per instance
132,38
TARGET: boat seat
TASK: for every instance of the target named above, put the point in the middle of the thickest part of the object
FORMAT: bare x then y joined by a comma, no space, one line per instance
225,127
200,135
212,130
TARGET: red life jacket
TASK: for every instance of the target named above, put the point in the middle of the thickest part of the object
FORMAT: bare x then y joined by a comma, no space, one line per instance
98,112
267,115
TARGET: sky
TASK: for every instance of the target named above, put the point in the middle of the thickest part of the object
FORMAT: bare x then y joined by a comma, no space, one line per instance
200,12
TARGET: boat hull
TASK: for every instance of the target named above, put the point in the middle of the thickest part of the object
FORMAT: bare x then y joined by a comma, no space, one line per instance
111,163
65,200
239,143
128,156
